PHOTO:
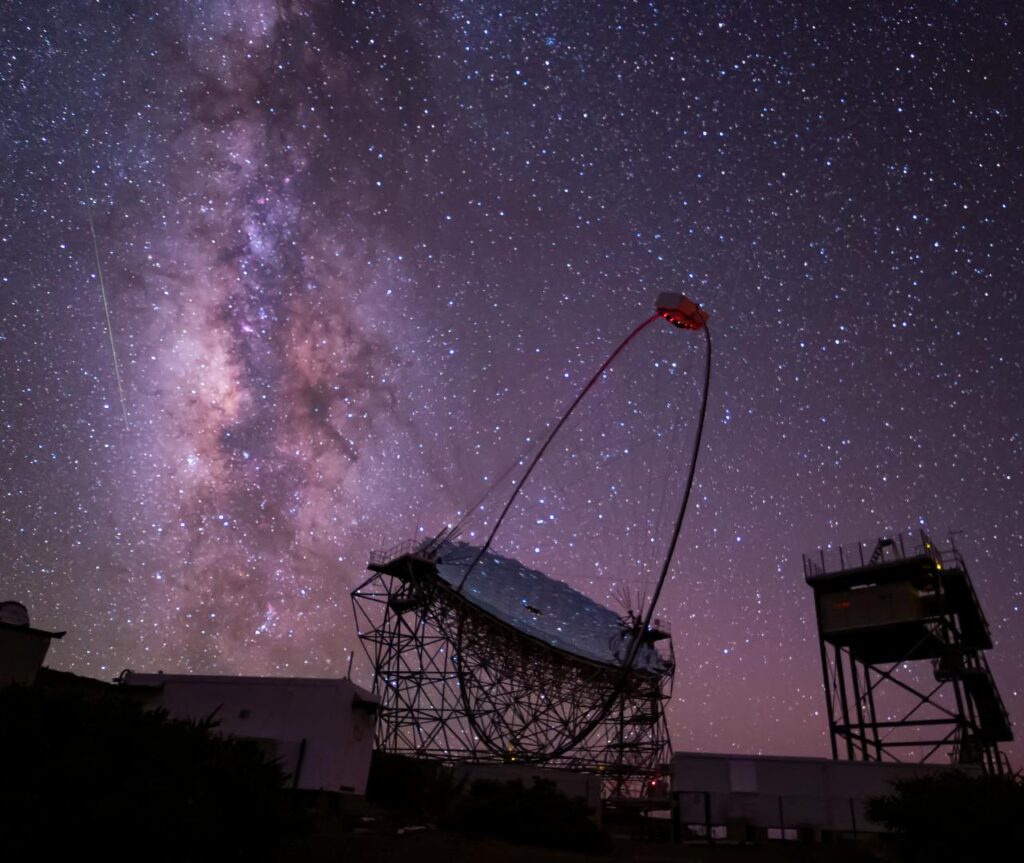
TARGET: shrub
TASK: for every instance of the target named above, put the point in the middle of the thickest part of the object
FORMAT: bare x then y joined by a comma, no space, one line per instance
536,815
104,775
952,816
413,786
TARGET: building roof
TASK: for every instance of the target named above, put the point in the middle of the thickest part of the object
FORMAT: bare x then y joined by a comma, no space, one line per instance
31,630
132,678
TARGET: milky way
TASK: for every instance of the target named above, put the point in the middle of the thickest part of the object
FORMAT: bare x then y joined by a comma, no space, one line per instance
359,256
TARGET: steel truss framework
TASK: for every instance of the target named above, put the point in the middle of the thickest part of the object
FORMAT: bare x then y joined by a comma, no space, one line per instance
528,699
919,691
941,718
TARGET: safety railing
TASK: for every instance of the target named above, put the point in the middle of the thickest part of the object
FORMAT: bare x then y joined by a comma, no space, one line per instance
379,557
837,558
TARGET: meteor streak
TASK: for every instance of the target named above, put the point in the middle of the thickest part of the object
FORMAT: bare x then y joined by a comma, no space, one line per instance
103,295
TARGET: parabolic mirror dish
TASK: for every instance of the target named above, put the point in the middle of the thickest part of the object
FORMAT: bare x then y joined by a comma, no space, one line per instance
544,608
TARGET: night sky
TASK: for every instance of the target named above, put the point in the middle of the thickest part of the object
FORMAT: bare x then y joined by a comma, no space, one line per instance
358,257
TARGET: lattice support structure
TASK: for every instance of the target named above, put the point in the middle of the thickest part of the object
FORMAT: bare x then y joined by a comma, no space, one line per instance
903,641
427,642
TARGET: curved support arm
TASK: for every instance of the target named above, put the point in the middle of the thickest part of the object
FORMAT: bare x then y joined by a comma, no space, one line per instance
551,437
627,665
635,646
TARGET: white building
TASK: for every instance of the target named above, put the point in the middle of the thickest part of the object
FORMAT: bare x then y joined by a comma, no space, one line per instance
742,797
319,730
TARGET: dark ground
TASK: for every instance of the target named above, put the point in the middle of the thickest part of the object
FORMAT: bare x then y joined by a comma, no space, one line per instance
359,831
441,847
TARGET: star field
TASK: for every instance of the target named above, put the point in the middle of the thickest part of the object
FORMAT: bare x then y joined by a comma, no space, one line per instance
359,256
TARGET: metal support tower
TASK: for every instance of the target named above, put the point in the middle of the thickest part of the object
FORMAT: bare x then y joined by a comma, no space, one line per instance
902,638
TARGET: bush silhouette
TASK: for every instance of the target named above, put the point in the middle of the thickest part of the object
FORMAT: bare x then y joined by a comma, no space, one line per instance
952,816
537,815
100,773
416,787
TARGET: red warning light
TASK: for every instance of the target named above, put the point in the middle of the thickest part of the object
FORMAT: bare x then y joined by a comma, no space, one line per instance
681,311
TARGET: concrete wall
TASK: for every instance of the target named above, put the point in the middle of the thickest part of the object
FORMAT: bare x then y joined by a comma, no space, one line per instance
320,730
810,795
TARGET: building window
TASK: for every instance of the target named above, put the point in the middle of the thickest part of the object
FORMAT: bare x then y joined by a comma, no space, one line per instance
743,776
700,831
